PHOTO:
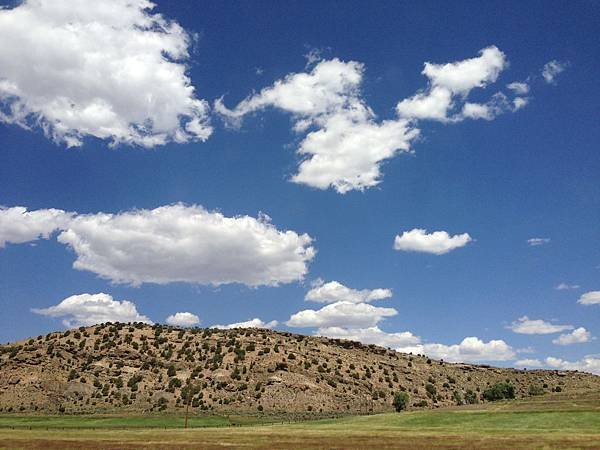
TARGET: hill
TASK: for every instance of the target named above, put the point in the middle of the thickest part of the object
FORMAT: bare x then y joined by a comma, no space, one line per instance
138,368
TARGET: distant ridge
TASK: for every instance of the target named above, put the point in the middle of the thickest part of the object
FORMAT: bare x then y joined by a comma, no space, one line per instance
139,368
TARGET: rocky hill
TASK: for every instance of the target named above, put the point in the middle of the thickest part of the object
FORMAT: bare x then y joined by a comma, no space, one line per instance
138,368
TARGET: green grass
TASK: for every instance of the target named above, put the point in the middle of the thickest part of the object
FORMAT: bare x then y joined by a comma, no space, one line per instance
471,421
61,422
548,422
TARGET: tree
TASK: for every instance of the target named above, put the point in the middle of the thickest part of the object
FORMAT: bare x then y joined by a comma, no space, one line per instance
457,397
171,371
400,401
499,391
471,397
431,390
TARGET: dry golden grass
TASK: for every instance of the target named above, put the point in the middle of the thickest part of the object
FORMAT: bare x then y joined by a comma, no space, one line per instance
541,422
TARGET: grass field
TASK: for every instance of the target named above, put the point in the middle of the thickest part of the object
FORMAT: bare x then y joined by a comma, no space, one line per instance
541,422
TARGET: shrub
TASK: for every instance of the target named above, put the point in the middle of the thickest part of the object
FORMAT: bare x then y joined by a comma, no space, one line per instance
536,389
431,390
499,391
174,383
457,397
471,397
400,401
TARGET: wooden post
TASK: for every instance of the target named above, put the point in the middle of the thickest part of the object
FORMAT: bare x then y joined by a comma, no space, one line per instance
187,412
189,399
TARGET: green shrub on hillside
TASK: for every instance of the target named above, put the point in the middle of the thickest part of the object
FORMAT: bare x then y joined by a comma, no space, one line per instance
400,401
471,397
499,391
536,389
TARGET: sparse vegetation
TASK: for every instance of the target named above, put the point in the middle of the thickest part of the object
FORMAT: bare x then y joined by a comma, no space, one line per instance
400,401
499,391
143,368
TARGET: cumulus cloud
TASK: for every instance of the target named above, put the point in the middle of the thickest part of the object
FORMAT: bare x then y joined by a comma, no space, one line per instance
183,319
551,70
577,336
91,309
528,363
334,291
471,349
518,87
566,286
330,86
17,225
179,243
341,314
590,298
496,105
359,322
589,364
371,335
253,323
525,325
438,242
535,242
113,70
450,84
346,153
344,145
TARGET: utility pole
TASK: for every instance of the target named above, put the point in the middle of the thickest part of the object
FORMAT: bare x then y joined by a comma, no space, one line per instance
187,412
188,401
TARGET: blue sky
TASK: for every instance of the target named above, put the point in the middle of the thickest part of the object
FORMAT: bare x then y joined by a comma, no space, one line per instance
521,172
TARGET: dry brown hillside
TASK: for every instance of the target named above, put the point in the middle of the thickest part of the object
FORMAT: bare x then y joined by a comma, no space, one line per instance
139,368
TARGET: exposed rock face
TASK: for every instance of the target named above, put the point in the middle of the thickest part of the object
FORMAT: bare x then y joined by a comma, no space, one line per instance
140,368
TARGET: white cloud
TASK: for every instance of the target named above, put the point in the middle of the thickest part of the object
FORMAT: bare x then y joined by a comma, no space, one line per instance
451,83
91,309
112,70
336,292
518,87
519,102
330,86
371,335
438,242
551,70
477,111
535,242
528,363
178,243
17,225
183,319
589,364
341,314
347,151
498,104
566,286
188,244
471,349
254,323
577,336
525,325
590,298
344,145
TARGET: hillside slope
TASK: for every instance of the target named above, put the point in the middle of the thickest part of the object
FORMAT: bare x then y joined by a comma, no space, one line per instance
139,368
